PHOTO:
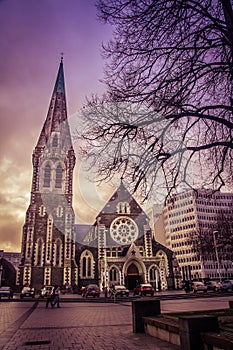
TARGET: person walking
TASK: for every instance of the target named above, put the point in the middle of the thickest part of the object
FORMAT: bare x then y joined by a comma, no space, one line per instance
49,298
57,297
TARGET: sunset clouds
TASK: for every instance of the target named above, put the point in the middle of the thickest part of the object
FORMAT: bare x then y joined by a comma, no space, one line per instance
33,34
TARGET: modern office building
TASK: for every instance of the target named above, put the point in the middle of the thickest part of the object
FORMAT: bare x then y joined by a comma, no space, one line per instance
199,229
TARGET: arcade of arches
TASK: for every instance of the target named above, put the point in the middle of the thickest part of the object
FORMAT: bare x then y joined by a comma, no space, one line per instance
134,273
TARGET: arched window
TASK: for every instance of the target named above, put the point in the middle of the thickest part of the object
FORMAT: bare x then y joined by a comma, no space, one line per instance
59,211
58,182
47,175
42,210
58,253
123,208
84,270
55,141
39,252
113,274
87,264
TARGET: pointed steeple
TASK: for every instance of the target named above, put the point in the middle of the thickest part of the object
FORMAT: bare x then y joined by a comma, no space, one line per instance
60,82
57,113
54,146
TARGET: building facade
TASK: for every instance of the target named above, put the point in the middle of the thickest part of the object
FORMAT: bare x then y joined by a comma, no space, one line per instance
199,229
118,248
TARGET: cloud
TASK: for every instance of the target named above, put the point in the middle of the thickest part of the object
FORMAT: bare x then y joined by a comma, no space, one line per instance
14,199
33,33
10,233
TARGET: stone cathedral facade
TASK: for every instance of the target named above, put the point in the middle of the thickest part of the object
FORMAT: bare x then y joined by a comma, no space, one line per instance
118,248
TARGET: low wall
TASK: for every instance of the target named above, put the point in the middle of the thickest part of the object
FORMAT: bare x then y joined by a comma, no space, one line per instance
199,332
163,328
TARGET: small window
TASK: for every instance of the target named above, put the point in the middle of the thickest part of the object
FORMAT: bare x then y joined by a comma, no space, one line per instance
123,208
39,252
55,141
58,182
58,253
42,210
59,211
47,176
113,274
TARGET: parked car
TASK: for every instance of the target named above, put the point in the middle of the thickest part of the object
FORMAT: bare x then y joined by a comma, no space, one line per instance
6,292
213,285
27,292
119,290
144,289
198,287
45,289
227,285
82,289
91,290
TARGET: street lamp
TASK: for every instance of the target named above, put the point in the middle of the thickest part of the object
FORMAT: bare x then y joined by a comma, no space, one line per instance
216,253
1,270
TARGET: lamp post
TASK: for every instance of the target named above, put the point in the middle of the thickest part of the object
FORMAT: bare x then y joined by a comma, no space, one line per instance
1,269
216,253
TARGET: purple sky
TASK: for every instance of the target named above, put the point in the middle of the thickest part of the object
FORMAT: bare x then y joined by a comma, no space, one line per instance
33,34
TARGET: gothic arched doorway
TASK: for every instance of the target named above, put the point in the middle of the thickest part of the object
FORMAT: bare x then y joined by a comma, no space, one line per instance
132,276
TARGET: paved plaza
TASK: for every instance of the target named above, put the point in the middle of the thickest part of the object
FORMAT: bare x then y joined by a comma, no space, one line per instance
85,325
89,326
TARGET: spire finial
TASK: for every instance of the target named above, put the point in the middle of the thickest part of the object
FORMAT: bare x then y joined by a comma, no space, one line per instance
62,56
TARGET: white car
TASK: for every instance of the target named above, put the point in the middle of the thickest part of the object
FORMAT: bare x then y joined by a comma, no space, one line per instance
214,285
45,289
27,292
198,287
120,290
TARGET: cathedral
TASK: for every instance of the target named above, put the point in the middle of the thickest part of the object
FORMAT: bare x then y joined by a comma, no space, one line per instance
119,248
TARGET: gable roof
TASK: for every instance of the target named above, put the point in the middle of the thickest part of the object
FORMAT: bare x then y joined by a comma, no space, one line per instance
121,195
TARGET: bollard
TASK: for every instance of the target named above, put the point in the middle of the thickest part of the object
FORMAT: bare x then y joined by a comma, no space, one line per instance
142,308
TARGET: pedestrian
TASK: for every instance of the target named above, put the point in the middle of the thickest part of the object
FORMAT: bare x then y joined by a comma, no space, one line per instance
187,286
57,297
49,298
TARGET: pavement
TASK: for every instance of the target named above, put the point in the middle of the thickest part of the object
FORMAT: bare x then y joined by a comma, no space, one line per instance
90,325
85,325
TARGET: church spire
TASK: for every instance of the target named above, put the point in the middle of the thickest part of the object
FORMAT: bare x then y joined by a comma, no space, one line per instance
57,113
54,148
60,82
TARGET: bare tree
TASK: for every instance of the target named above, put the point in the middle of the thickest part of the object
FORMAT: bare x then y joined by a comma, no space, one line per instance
174,60
203,243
